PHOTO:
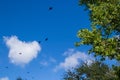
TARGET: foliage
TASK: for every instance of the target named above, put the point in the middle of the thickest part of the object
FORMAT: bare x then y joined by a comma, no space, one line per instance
95,71
104,36
105,24
117,72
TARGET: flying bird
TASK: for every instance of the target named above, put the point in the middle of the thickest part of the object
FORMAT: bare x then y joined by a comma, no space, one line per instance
39,42
46,39
50,8
20,53
28,72
6,67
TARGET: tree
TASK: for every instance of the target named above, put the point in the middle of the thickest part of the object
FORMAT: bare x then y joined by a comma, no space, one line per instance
105,24
104,39
104,36
95,71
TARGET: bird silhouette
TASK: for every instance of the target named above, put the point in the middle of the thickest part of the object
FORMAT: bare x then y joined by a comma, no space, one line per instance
20,53
46,39
6,67
28,72
50,8
39,42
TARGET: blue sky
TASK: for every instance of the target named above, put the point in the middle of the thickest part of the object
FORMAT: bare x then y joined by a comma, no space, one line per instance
25,22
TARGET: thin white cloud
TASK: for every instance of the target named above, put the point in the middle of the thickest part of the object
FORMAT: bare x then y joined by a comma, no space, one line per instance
74,59
44,63
4,78
48,61
21,52
52,60
68,52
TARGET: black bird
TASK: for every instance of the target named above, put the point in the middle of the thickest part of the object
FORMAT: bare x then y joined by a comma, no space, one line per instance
28,72
39,42
46,39
20,53
6,67
50,8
